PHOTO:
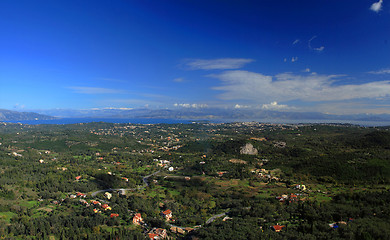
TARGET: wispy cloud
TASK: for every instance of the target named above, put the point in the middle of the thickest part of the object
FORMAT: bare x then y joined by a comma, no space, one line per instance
275,106
190,105
112,80
294,59
238,106
179,80
112,108
296,41
319,49
382,71
377,6
95,90
221,63
259,88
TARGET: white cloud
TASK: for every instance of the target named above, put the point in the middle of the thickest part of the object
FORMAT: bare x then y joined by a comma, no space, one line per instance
259,88
294,59
296,41
115,108
377,6
285,60
190,105
319,49
274,106
382,71
238,106
95,90
306,70
221,63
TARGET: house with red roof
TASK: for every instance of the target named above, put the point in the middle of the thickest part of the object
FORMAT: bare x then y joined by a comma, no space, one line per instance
158,233
277,228
153,236
137,219
94,202
167,214
79,194
106,207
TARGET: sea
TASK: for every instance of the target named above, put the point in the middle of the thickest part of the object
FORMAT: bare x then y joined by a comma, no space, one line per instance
61,121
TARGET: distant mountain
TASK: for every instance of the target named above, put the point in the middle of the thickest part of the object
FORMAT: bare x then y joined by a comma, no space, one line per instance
8,115
210,114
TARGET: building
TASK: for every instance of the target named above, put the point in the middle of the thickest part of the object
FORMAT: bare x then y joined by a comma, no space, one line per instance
137,219
108,195
167,214
158,233
277,228
106,207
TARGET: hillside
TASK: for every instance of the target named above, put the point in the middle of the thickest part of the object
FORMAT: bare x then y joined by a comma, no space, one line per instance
208,114
194,181
8,115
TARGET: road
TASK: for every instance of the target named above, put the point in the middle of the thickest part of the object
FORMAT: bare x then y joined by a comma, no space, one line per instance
212,219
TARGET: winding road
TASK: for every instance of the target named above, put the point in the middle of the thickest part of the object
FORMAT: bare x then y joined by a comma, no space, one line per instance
212,219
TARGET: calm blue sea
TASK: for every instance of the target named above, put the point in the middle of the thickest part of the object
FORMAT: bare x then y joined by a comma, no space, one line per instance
109,120
170,121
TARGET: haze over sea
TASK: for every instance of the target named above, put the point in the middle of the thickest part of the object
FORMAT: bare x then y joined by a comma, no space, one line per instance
188,121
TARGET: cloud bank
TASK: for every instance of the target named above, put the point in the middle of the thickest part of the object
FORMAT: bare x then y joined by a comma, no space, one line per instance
274,106
382,71
238,106
259,88
95,90
221,63
190,105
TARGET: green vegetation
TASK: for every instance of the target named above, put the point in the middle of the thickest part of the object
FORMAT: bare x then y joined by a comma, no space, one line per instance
304,177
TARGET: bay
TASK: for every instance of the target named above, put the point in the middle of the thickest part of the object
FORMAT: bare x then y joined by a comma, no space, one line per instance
60,121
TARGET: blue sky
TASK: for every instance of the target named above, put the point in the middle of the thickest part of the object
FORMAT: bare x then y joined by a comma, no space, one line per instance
292,55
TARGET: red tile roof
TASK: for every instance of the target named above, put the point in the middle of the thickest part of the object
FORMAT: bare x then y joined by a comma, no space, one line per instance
167,212
152,235
277,228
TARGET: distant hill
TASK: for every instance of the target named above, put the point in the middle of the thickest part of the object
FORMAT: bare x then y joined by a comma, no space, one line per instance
8,115
209,114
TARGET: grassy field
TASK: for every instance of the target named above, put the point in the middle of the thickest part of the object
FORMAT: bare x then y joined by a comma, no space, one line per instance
28,204
6,216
